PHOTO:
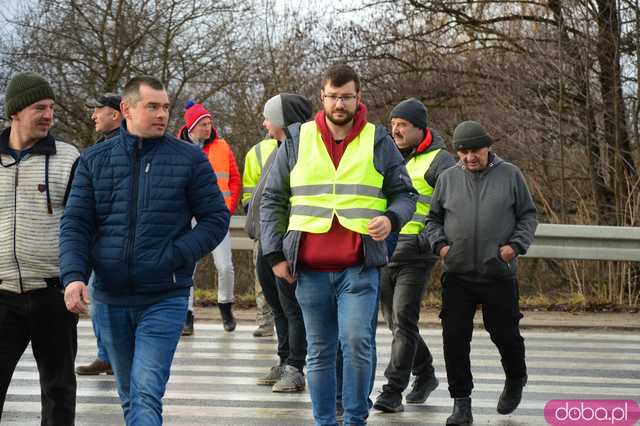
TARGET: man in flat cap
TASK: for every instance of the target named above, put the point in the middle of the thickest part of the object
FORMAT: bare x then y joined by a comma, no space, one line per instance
482,217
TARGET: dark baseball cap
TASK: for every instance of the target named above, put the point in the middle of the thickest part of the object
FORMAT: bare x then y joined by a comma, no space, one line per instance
111,100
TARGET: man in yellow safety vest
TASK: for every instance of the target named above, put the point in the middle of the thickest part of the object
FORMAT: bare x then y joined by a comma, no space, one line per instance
338,187
404,281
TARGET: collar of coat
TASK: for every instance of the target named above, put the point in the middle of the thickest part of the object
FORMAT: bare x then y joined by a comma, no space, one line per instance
45,146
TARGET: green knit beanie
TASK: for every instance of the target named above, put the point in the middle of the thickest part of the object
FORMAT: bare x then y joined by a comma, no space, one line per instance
24,89
470,135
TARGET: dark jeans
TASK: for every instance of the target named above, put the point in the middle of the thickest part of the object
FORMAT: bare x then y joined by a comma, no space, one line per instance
281,296
41,317
401,291
501,316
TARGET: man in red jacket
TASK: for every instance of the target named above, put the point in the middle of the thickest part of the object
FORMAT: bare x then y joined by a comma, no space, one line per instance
199,129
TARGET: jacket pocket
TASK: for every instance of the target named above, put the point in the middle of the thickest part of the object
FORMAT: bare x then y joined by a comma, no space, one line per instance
159,274
492,263
111,276
458,259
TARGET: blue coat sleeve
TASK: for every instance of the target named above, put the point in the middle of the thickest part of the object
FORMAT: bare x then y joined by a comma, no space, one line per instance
77,227
207,206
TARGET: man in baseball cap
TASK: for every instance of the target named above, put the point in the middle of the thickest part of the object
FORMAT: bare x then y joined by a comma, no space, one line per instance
106,115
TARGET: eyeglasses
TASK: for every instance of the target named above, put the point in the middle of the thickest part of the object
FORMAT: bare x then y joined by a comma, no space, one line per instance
344,98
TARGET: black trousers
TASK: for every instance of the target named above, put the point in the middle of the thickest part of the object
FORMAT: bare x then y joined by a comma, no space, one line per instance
501,316
41,317
287,315
401,291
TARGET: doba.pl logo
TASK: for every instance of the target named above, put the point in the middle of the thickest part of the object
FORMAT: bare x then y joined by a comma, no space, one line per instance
592,412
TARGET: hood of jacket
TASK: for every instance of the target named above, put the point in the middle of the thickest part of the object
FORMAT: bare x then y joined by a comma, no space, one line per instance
295,109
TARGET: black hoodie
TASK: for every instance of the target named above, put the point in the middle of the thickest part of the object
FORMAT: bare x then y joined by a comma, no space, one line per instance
295,109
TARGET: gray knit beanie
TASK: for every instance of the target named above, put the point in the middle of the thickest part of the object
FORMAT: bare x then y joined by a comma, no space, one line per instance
411,110
470,135
24,89
273,111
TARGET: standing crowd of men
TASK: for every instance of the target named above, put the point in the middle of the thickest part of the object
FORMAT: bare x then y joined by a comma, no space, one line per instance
345,217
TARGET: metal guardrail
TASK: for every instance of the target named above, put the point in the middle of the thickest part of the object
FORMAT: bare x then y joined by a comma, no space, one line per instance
585,242
582,242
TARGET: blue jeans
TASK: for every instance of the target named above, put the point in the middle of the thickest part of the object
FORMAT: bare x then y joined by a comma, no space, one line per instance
339,306
102,352
141,341
374,357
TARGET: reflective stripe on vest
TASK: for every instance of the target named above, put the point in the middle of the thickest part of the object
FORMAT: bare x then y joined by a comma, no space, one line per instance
352,192
417,168
219,159
264,149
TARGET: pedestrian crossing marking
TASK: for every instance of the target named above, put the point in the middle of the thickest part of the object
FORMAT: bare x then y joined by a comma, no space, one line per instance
213,380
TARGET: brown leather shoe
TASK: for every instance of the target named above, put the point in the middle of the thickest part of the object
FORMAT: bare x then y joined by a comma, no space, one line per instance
95,368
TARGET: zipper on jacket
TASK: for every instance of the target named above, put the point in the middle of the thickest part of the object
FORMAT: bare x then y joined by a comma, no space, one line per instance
296,247
134,210
15,226
146,186
475,225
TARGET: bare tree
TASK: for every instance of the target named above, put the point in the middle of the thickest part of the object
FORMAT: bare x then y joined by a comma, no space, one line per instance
88,47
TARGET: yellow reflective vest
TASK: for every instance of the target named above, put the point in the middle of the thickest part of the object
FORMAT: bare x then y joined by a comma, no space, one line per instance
417,168
319,190
253,163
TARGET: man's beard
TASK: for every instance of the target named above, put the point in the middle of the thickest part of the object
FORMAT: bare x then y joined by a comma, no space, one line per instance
340,122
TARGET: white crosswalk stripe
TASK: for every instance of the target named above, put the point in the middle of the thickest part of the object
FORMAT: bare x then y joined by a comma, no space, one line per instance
213,380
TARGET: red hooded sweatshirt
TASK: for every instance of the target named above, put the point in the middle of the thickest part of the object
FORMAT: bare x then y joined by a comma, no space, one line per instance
339,247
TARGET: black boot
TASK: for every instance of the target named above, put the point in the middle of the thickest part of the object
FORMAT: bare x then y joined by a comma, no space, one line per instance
389,402
511,394
461,415
228,321
187,329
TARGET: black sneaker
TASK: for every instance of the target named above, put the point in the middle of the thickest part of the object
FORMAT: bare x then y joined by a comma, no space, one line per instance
421,389
389,402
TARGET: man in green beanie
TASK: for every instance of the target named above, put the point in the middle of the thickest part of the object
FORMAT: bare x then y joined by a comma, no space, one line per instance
482,217
34,176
